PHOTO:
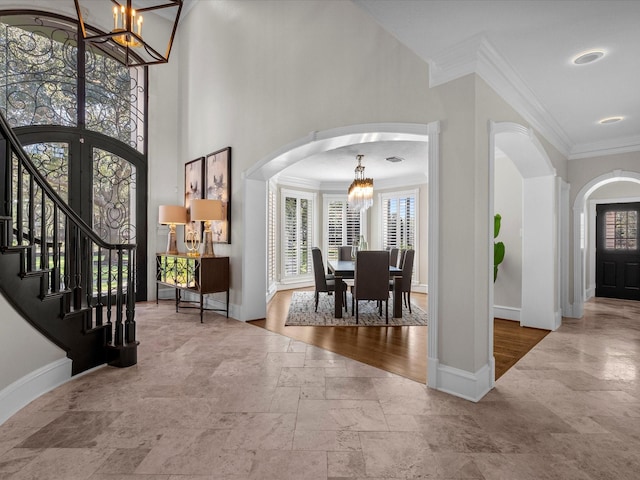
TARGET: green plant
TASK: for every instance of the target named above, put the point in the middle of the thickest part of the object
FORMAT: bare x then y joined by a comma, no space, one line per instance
498,247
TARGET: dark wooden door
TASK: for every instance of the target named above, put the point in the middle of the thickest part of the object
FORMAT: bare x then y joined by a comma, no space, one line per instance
617,253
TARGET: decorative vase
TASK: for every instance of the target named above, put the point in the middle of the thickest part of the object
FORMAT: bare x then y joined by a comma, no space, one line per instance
363,243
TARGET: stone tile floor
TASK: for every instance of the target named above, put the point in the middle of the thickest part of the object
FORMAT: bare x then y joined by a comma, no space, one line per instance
228,400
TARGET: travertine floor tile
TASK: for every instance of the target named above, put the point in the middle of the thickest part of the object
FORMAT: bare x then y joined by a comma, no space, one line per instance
225,400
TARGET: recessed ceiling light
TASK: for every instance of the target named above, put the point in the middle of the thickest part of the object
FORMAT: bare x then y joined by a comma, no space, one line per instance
394,159
607,120
588,57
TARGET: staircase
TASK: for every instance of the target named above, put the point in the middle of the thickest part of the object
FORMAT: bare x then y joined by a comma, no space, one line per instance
57,273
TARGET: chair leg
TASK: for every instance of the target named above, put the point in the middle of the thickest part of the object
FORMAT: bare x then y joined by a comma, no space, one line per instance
409,300
317,298
356,312
386,308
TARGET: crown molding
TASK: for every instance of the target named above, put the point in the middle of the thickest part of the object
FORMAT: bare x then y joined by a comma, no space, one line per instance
298,182
343,186
477,55
607,147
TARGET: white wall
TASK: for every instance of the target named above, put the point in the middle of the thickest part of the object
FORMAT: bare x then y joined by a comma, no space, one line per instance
508,203
22,348
268,73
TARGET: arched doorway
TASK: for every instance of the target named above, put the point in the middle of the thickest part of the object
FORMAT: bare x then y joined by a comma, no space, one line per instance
254,256
581,218
540,202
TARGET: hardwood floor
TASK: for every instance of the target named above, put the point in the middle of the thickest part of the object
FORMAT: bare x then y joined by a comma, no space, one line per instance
400,350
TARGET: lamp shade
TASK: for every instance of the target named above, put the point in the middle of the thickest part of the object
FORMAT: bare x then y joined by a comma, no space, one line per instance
205,209
176,214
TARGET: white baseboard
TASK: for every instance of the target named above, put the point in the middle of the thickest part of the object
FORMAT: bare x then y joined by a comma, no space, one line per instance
26,389
558,320
420,288
508,313
463,384
569,311
590,292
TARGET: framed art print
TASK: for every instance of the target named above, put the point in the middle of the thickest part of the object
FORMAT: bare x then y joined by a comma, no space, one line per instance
193,188
218,187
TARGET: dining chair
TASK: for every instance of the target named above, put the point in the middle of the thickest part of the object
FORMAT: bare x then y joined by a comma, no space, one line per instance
393,256
371,279
344,252
324,283
406,258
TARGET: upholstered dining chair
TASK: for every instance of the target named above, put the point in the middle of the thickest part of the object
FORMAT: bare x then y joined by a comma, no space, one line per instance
324,283
406,259
371,280
393,256
344,252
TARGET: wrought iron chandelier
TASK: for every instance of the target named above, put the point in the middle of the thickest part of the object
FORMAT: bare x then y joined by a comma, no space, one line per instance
361,189
124,21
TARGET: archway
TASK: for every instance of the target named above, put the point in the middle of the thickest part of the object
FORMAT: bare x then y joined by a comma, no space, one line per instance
539,300
580,216
254,255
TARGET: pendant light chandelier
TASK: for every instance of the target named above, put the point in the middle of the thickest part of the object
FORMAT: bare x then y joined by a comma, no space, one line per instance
361,189
124,22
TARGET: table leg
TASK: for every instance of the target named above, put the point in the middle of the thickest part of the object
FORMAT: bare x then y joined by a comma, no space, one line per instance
340,286
397,298
201,307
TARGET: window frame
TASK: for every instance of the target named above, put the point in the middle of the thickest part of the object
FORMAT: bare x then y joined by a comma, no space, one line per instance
398,194
311,235
328,198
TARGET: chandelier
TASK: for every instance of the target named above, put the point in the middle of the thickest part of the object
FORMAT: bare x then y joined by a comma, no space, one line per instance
361,189
124,20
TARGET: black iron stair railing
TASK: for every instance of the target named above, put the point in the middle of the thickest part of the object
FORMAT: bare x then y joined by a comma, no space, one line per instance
83,295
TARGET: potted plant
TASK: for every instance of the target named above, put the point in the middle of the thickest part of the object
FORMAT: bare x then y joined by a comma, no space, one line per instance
498,247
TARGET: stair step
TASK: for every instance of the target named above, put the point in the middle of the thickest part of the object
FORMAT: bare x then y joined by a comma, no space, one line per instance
56,295
14,248
35,273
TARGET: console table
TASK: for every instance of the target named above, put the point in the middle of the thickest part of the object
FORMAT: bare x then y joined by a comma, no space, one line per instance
199,275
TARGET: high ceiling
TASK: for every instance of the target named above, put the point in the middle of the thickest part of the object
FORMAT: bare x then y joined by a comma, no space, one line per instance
533,43
524,50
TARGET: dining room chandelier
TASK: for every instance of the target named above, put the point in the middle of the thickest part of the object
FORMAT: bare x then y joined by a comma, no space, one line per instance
361,189
117,25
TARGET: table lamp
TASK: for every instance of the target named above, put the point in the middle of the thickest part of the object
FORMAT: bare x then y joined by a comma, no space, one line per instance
207,210
172,215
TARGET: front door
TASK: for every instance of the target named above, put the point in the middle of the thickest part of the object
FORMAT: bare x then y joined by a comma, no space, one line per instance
103,181
617,253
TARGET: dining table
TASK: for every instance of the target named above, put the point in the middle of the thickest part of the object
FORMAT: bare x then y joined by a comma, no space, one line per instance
346,269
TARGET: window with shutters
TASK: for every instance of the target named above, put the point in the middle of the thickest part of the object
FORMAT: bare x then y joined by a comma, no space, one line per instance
297,234
399,219
271,235
342,224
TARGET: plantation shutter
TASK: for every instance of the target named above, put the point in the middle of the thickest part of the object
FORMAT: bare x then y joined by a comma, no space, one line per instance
342,226
399,221
271,236
297,234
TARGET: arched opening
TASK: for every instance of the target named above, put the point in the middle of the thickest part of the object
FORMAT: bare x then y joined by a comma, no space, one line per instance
581,225
539,224
254,256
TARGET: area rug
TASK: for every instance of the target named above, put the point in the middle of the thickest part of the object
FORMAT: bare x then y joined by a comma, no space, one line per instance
301,312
